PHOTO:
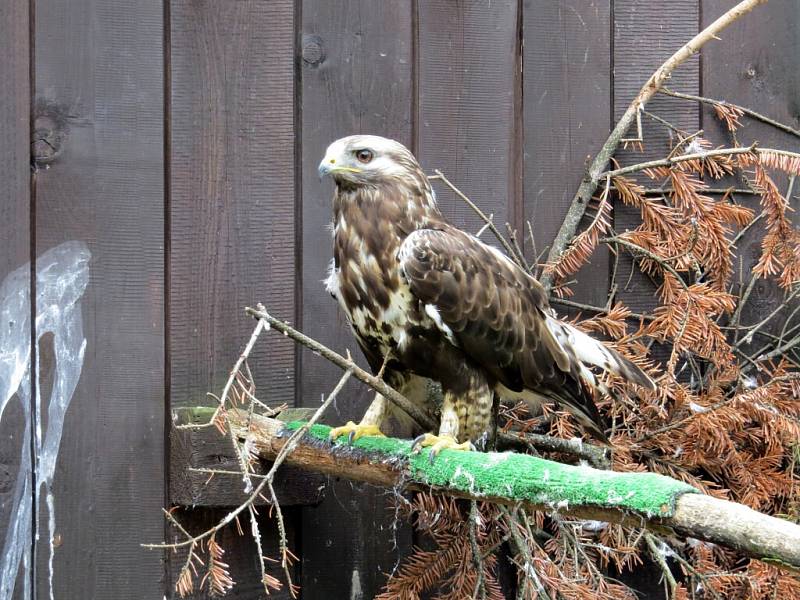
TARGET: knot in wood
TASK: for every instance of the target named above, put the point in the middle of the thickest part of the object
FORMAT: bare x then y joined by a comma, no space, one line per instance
49,132
313,52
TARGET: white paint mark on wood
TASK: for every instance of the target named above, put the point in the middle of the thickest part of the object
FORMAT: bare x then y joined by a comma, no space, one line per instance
62,274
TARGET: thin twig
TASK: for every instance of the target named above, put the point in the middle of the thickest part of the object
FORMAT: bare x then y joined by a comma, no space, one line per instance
480,589
753,329
635,248
231,378
346,364
596,309
668,162
730,190
658,556
749,112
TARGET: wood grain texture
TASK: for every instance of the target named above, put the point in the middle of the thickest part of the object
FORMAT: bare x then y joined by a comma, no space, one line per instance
356,76
100,64
755,65
14,223
231,190
646,34
566,115
468,91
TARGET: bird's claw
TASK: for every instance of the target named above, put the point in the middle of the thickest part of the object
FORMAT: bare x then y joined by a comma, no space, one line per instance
437,443
355,431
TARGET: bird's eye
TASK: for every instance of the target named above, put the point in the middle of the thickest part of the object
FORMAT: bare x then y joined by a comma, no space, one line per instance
364,155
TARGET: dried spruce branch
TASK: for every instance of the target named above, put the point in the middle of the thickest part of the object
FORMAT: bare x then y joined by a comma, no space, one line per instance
593,176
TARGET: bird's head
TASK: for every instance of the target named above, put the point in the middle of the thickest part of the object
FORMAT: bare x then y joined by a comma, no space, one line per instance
367,160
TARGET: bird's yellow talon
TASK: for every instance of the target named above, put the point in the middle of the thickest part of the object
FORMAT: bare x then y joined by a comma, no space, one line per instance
437,443
355,431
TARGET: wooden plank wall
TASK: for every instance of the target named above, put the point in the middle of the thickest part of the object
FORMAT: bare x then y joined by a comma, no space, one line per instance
231,230
188,135
467,101
231,192
566,117
645,35
99,64
15,245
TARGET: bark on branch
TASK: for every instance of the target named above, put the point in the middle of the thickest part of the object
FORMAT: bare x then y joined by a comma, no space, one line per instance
598,165
638,499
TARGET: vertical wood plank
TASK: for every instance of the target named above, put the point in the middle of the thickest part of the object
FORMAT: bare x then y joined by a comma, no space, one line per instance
755,65
14,253
99,83
567,113
645,35
232,213
232,218
356,77
467,121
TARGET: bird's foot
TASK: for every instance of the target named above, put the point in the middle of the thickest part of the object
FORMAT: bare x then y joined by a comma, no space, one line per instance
353,431
437,443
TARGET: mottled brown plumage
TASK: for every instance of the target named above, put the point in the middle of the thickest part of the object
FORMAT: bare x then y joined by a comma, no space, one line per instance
445,306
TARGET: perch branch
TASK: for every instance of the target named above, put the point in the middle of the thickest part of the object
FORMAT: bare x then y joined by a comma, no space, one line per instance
510,479
598,165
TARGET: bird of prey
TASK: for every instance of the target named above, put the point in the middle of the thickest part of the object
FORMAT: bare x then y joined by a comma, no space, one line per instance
427,300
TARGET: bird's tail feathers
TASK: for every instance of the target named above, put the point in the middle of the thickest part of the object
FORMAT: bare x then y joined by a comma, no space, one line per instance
594,352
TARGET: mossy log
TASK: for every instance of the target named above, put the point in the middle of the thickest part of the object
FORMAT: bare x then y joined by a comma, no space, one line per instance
638,499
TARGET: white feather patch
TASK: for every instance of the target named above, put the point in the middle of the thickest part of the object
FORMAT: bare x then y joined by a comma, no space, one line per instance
434,314
587,349
332,280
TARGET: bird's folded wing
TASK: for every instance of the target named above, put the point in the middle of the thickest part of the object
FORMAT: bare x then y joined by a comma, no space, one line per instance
490,307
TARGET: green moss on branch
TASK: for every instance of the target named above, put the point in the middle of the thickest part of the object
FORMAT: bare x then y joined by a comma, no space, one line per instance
523,478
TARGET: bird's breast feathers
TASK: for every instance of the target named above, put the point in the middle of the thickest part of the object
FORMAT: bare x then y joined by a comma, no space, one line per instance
376,298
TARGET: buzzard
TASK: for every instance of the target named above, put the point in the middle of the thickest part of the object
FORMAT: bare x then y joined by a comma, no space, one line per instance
426,300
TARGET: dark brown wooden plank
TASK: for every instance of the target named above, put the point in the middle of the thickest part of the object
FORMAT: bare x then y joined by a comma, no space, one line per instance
356,77
567,113
232,216
645,35
14,254
755,65
240,553
467,122
100,65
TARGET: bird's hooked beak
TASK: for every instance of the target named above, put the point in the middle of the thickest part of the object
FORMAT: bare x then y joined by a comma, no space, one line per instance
328,167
